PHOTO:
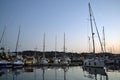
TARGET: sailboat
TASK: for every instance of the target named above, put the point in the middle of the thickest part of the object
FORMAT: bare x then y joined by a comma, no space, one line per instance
66,59
4,63
94,62
44,60
55,59
17,62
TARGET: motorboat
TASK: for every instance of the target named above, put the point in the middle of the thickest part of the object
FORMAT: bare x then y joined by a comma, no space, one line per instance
30,61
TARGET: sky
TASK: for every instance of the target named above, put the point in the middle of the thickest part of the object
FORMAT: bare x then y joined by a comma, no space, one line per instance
56,17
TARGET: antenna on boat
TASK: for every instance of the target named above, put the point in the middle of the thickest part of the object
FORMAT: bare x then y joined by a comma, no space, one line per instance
90,13
17,40
44,46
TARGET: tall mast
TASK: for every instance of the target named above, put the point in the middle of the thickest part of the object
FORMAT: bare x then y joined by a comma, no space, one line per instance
64,43
17,41
104,40
55,45
44,46
92,17
64,46
89,44
90,13
98,33
2,34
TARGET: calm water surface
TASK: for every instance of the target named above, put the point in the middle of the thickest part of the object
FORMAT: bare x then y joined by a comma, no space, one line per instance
60,73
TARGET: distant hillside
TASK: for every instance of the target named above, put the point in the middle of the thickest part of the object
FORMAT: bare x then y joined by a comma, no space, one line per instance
50,54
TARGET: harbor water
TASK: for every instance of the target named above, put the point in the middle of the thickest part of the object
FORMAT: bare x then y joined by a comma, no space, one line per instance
60,73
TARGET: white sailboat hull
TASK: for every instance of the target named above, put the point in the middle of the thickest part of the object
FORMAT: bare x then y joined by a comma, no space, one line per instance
44,61
5,64
94,63
18,64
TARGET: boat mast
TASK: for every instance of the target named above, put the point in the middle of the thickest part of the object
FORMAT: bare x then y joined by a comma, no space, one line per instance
104,40
98,33
17,41
89,46
92,16
44,46
2,34
55,45
64,46
90,13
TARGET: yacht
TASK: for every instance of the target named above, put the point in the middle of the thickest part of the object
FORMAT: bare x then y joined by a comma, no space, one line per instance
3,59
95,61
55,59
30,61
16,61
66,60
44,60
5,64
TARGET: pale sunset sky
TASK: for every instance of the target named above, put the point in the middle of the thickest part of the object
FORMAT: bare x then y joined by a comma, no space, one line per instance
54,17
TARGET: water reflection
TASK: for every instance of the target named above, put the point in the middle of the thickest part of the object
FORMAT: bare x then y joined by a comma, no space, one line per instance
112,68
60,73
16,72
56,74
56,71
93,73
28,69
44,68
47,73
65,71
4,71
